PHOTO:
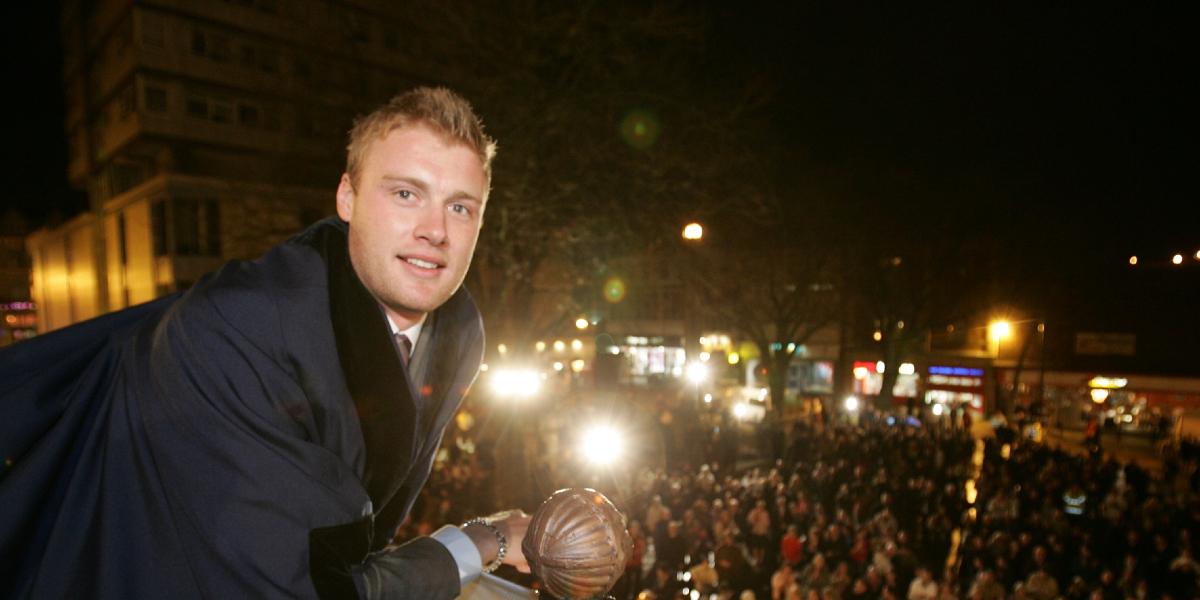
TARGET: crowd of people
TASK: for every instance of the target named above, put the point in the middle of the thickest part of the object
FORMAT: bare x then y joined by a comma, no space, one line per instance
886,509
846,512
1053,524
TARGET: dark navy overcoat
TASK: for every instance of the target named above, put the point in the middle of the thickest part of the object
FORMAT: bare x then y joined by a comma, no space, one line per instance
254,437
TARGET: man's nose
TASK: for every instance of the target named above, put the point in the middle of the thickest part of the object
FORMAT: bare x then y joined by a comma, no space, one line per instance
431,224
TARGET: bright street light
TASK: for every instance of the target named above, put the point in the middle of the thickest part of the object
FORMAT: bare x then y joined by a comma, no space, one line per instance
601,444
516,383
696,372
581,323
998,330
1177,259
693,231
851,403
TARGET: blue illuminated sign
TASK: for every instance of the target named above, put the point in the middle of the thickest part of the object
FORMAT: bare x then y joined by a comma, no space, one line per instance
960,371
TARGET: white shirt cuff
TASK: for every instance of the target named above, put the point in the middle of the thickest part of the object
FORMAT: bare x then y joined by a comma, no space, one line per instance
465,554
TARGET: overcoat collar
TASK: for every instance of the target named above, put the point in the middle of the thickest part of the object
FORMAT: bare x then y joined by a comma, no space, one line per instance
395,431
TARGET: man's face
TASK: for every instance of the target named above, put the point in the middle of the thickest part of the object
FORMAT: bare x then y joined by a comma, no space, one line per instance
414,217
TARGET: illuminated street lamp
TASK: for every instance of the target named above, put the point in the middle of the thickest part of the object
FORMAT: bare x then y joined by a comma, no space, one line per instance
998,330
740,410
851,404
1177,259
601,445
693,231
516,383
581,323
696,372
1133,260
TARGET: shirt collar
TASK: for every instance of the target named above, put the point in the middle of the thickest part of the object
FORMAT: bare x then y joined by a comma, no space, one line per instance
412,333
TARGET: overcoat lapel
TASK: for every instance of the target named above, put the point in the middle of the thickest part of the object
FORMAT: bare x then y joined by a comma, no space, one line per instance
374,377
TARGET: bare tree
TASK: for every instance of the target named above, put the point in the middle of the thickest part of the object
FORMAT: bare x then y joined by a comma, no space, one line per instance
603,138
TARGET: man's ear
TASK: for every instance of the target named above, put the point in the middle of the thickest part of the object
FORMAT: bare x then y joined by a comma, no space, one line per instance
345,198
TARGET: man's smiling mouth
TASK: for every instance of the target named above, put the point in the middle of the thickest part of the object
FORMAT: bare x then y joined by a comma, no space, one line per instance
424,264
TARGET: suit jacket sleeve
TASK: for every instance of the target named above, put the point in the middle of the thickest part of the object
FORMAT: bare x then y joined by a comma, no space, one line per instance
420,569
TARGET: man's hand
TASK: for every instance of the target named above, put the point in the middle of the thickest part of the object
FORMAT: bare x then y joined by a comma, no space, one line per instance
512,524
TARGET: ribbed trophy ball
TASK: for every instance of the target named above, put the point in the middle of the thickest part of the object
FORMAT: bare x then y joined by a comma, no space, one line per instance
577,544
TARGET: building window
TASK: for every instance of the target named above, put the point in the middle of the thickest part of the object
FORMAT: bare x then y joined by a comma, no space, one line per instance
218,48
199,43
197,107
197,227
222,112
249,56
121,254
158,226
127,101
155,98
268,61
248,115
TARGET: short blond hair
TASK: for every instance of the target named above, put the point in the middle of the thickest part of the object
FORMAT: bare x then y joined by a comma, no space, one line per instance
436,107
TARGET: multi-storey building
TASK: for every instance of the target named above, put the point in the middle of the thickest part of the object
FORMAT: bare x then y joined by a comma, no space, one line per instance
203,131
18,320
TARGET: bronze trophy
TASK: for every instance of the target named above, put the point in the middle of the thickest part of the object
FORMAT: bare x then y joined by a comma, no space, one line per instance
577,544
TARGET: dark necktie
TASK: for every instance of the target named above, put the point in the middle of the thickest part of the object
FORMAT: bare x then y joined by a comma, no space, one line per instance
405,348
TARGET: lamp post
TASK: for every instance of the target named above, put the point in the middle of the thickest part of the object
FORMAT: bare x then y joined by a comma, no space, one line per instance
696,372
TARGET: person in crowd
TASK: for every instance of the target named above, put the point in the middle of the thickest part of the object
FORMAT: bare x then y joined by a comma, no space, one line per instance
923,587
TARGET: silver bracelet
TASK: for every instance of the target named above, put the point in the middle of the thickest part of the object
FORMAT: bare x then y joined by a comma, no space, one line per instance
500,539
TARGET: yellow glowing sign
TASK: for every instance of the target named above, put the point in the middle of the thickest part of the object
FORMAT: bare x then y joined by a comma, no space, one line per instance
1108,383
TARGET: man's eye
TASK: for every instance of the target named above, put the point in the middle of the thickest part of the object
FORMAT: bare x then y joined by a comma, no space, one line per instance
404,194
460,209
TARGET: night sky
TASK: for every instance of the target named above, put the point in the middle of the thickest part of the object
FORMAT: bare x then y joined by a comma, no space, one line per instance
1063,130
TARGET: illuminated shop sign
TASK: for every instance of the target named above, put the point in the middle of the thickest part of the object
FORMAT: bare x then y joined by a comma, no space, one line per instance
955,381
1108,383
956,371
